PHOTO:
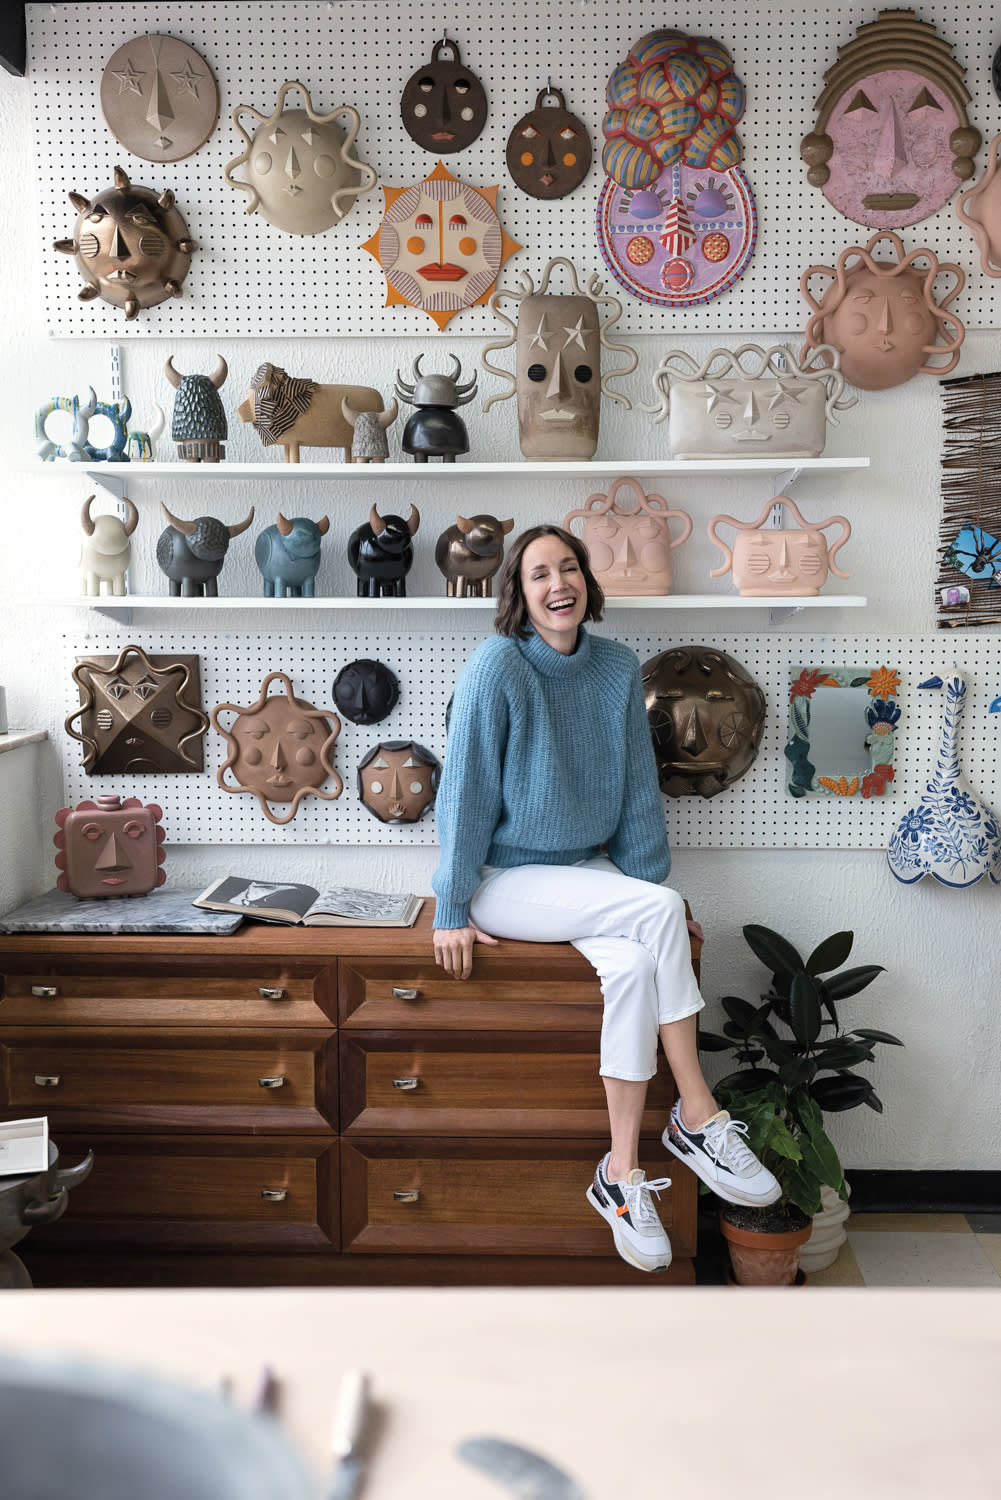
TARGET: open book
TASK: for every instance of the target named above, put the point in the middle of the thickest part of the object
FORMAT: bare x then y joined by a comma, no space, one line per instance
283,901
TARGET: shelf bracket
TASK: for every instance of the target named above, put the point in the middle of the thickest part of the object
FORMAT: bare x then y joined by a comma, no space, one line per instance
788,478
112,610
780,612
115,484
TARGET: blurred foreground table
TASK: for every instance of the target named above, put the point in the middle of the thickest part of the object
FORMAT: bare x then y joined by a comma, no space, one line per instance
828,1394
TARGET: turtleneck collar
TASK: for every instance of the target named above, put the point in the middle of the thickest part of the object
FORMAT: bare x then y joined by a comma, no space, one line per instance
552,663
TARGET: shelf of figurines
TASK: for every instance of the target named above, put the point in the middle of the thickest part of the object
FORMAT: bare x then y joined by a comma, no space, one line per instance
558,469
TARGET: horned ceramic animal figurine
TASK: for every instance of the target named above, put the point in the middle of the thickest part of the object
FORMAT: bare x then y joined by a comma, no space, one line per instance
435,430
288,555
81,412
370,444
118,414
381,554
470,553
191,553
300,413
199,424
106,549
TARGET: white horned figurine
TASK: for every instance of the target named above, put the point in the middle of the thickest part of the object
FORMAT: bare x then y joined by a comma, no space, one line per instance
106,549
370,444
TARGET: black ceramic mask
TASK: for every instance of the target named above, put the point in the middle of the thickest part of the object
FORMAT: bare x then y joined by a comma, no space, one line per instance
365,691
549,150
444,107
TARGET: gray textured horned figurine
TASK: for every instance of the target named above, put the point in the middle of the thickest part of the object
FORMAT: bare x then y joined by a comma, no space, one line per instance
199,424
192,553
469,554
370,443
435,430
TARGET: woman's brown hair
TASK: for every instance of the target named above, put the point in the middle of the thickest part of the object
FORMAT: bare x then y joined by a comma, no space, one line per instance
511,615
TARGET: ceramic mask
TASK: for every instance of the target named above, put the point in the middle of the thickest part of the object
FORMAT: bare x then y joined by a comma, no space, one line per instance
558,380
676,216
725,409
303,176
159,98
131,245
366,691
279,749
397,781
109,848
892,139
440,245
444,107
979,208
630,547
767,561
883,316
139,714
549,150
706,715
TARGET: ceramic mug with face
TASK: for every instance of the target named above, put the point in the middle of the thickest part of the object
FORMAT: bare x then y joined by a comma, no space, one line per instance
768,561
630,547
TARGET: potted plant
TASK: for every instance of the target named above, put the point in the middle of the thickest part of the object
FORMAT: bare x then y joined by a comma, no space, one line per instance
790,1073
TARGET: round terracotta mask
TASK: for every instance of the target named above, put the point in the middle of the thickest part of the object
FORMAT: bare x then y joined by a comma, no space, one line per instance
397,781
706,715
549,150
444,107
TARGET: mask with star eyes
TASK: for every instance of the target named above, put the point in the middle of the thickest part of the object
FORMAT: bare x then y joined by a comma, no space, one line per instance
139,714
397,781
109,848
279,749
549,150
131,245
303,175
444,107
706,716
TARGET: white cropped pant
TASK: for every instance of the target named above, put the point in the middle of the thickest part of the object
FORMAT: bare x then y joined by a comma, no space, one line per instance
633,932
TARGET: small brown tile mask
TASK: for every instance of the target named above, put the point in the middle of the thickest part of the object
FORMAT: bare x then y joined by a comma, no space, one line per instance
139,714
109,848
549,150
397,781
444,107
706,716
279,749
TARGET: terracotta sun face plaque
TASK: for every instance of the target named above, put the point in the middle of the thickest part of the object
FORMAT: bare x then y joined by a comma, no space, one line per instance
706,716
139,714
883,315
279,749
159,98
440,245
303,176
109,848
892,139
630,544
549,150
676,217
397,781
444,107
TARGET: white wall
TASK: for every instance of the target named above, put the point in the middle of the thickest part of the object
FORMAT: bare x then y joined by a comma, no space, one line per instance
942,1094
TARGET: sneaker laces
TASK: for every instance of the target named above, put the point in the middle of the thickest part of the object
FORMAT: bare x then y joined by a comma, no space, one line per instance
723,1142
640,1204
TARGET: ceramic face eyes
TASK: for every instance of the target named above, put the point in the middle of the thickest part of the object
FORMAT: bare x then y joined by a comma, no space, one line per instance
444,107
549,150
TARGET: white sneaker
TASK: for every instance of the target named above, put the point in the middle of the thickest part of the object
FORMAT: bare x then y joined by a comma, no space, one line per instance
718,1153
627,1206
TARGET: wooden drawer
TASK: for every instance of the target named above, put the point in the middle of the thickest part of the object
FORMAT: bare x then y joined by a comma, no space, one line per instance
490,1084
101,1078
170,1193
176,992
504,994
524,1197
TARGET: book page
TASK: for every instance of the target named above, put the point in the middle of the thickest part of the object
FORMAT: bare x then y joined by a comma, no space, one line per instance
347,901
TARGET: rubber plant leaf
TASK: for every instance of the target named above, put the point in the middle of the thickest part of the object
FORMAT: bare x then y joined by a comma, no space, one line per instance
831,953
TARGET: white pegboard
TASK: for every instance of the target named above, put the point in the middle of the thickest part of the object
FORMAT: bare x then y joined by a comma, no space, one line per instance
250,279
757,812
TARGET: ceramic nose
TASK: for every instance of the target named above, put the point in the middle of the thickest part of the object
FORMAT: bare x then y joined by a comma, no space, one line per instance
885,323
555,386
292,167
751,410
891,153
277,758
119,248
112,855
694,738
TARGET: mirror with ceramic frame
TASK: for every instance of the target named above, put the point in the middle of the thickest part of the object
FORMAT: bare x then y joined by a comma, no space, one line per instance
843,724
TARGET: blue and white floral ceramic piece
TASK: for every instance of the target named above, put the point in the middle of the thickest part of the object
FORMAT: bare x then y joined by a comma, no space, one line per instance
951,834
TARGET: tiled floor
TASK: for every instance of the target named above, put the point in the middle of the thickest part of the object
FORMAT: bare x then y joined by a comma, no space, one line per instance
915,1250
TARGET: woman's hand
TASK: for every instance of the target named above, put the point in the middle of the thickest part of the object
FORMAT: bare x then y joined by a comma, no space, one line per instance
695,929
453,948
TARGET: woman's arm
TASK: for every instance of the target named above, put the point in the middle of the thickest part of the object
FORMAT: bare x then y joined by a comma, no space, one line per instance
640,845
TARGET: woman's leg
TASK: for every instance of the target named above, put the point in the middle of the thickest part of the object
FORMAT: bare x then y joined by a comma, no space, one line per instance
625,1101
680,1042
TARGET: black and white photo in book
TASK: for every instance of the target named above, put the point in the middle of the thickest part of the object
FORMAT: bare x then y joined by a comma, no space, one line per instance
289,902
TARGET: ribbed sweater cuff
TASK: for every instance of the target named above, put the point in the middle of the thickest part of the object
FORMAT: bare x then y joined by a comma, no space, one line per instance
449,914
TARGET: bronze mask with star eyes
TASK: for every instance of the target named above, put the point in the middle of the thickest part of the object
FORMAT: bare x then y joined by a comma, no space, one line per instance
549,150
398,780
706,716
138,714
444,107
279,749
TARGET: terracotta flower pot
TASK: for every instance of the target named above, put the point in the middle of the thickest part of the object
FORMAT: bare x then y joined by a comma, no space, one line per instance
764,1258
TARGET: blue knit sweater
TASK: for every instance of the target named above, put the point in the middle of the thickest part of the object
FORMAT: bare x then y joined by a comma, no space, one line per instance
549,757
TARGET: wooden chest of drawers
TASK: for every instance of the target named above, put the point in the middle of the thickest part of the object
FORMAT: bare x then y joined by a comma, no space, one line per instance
288,1106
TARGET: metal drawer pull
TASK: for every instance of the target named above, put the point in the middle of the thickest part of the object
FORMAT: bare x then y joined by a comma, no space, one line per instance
273,1083
47,1080
45,991
406,1083
410,1196
274,1195
266,992
400,993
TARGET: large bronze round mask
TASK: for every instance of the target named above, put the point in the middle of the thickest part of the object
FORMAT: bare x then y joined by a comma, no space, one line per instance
549,150
444,107
706,716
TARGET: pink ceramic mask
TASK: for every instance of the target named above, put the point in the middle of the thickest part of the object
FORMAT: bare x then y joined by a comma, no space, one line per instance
979,208
630,549
768,562
109,848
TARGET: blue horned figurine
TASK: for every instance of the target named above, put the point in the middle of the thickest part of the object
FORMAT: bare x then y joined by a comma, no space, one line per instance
191,553
381,553
288,555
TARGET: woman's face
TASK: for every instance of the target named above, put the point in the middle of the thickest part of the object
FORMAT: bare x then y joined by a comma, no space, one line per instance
555,591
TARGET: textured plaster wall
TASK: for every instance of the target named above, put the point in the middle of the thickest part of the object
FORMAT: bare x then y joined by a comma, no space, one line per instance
939,993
